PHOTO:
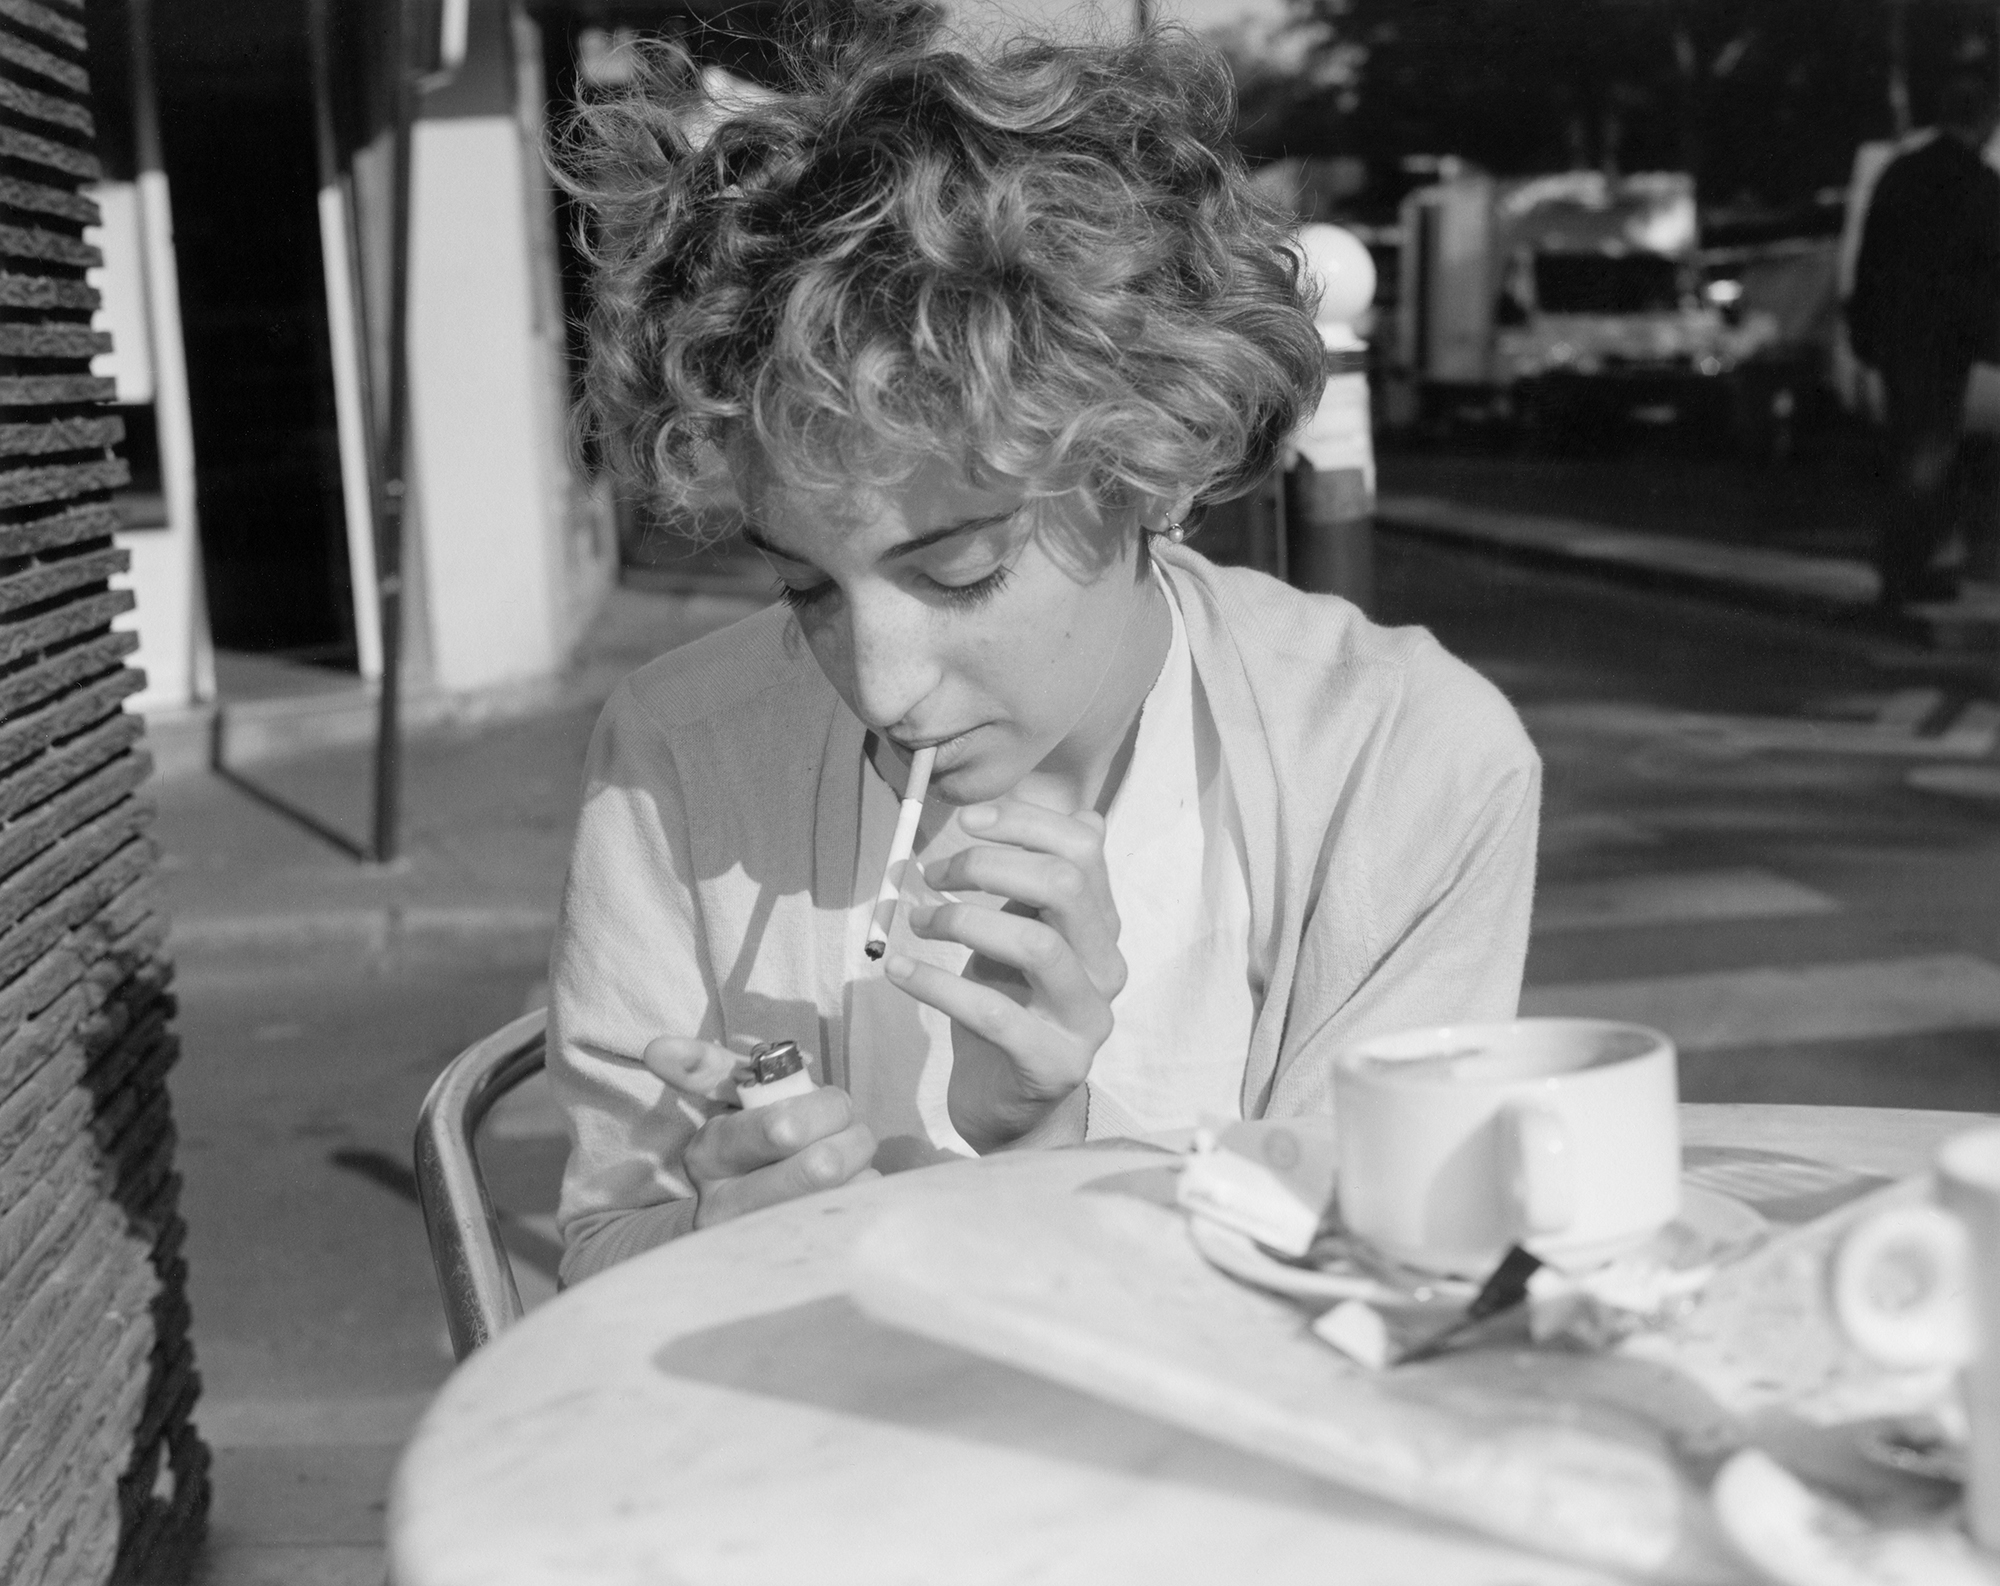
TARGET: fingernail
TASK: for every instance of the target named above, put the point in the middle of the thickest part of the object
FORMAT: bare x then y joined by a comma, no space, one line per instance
898,967
978,817
922,915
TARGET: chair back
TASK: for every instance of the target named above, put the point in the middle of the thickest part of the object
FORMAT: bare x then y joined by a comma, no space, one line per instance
475,1277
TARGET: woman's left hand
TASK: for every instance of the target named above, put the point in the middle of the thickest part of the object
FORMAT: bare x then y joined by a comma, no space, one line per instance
1033,1004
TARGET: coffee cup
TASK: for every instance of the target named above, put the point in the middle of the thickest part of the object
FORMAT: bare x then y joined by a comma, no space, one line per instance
1918,1286
1457,1141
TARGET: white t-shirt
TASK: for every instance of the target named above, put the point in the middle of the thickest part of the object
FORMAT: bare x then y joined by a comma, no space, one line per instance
1175,855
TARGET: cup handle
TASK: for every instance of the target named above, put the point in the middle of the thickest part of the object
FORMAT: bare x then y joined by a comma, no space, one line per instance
1897,1287
1541,1173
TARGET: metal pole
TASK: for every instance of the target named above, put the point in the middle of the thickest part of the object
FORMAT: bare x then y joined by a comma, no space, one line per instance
392,486
1899,68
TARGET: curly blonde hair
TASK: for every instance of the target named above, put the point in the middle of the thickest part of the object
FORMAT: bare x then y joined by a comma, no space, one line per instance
1048,261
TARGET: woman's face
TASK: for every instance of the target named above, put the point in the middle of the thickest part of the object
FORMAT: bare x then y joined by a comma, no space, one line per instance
1019,636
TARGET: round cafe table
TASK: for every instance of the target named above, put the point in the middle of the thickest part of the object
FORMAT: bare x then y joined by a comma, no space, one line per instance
718,1411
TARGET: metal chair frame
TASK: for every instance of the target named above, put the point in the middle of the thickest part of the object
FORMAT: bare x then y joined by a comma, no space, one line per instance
475,1277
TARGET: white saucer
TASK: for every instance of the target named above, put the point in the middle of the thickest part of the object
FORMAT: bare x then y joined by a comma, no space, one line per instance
1243,1258
1712,1229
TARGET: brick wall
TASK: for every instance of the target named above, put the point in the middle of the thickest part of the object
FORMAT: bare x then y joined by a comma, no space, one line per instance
101,1474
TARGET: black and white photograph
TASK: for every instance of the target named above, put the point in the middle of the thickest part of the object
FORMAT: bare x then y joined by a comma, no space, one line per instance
982,792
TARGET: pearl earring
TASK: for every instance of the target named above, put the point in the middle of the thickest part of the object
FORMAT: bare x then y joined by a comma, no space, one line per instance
1175,532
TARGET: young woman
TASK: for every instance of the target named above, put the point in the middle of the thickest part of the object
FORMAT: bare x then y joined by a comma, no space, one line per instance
969,337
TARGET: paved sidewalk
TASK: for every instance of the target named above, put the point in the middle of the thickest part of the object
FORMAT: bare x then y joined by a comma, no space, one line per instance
1835,585
1798,538
273,710
319,997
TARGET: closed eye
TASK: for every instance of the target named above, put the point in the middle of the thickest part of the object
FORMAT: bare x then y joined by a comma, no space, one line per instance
805,599
961,597
966,597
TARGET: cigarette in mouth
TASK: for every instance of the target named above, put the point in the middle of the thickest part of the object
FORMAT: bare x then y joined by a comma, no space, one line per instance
900,849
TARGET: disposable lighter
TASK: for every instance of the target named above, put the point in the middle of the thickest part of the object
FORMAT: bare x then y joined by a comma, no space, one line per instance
776,1071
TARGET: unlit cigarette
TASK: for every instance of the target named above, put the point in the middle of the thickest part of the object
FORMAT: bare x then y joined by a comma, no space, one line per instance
900,848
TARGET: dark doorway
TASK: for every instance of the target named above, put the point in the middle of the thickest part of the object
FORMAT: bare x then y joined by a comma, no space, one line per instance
236,125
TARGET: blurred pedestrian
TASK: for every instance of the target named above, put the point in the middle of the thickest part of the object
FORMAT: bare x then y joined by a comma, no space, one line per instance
1925,309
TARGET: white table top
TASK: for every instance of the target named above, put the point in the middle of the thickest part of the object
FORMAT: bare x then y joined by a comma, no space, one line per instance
718,1411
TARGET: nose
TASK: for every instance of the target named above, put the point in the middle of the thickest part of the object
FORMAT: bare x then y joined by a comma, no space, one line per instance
890,658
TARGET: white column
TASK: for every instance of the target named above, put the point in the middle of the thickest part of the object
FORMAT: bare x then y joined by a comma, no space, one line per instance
487,438
140,286
346,343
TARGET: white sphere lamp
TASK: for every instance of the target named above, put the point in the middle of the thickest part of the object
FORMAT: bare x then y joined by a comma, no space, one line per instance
1346,273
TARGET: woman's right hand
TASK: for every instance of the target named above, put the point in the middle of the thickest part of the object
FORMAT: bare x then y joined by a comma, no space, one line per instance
739,1161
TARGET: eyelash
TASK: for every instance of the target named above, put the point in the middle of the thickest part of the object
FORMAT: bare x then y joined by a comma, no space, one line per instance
961,597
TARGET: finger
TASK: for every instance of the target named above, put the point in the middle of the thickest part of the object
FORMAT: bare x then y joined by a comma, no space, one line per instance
1079,838
742,1142
699,1070
1050,1060
1014,823
1062,985
1069,898
825,1164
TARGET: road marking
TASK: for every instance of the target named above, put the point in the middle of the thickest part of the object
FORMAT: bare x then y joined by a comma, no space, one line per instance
362,1421
1835,580
1972,733
1671,899
1778,1007
1909,709
1585,832
1960,781
379,928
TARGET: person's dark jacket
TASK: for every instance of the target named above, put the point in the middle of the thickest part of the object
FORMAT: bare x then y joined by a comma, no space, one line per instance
1926,301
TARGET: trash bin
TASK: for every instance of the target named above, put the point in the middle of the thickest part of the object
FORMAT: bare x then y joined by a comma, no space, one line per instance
1330,476
1330,522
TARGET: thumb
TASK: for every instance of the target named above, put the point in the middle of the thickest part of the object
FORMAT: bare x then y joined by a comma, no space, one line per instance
699,1070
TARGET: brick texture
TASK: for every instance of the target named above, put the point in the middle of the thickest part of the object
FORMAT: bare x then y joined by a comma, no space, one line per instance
102,1477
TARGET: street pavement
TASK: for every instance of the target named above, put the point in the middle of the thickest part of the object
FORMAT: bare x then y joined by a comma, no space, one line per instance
1822,504
1793,535
1773,837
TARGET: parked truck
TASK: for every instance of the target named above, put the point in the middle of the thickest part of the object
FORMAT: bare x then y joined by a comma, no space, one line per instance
1558,303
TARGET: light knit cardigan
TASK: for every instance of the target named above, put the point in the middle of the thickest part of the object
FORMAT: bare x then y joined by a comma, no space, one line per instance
1389,799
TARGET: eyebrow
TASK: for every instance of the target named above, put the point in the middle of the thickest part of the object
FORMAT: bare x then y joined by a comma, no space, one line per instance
909,547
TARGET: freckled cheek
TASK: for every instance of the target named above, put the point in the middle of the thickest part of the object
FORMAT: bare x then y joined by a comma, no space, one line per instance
1044,665
830,647
833,646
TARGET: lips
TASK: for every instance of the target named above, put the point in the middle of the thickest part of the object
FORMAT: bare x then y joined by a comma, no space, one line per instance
912,745
950,747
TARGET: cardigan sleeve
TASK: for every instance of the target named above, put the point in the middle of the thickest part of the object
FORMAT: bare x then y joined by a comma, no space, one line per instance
1424,906
627,966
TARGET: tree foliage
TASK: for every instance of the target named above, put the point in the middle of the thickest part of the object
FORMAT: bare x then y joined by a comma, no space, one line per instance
1761,99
